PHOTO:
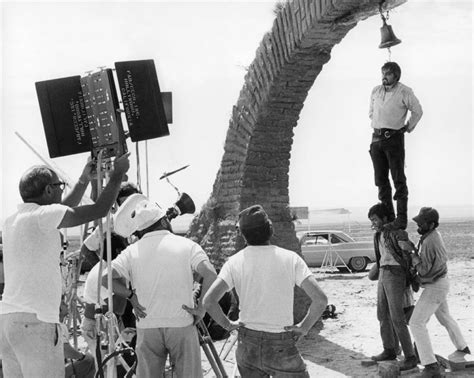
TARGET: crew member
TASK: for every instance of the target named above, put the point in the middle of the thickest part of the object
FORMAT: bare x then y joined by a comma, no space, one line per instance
430,261
90,250
160,268
389,106
267,333
78,364
29,311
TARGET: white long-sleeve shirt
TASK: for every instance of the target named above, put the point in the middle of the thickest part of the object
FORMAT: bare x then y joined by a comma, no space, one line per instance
389,109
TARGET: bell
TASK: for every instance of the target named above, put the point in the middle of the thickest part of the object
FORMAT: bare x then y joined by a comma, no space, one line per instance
388,37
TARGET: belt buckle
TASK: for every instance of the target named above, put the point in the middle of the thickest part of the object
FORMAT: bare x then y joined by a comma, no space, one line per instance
387,134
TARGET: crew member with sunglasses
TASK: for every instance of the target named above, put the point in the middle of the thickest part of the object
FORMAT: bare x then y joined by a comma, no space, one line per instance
29,311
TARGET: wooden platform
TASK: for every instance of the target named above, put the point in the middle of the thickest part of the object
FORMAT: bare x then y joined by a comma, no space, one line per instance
456,361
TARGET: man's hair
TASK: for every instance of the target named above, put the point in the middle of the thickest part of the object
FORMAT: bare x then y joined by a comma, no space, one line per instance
258,235
127,189
33,182
380,209
394,68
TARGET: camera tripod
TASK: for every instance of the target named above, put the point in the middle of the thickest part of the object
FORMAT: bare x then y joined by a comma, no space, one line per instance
209,349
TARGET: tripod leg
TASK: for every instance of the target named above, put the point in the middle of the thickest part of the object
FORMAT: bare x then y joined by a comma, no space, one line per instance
212,361
217,359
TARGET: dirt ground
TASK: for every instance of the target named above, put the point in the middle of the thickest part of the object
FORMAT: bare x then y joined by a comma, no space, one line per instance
336,347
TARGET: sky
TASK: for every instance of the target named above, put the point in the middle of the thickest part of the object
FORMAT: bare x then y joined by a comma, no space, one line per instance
201,51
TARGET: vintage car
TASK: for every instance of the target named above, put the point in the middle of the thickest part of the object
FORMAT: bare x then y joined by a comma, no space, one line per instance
332,246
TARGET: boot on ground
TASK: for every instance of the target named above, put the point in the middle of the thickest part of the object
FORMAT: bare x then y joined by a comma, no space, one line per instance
386,355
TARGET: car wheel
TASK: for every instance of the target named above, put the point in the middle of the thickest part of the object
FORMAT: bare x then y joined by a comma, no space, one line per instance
358,264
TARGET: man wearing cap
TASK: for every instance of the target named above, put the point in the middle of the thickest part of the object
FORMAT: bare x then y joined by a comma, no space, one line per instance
389,106
430,260
393,264
264,277
160,268
29,311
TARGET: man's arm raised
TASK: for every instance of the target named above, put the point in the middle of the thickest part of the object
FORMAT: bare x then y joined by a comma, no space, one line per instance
74,197
82,214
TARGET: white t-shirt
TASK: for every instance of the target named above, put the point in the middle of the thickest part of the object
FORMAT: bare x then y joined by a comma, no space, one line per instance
31,250
92,242
90,286
160,267
264,278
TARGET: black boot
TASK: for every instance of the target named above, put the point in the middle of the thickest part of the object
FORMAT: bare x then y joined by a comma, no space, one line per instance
409,363
391,210
386,355
400,222
402,213
433,370
466,350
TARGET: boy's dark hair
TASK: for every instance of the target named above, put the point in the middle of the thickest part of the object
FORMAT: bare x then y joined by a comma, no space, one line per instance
258,235
127,189
380,209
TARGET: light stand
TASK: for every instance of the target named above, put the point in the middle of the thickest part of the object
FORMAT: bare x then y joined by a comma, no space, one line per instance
331,259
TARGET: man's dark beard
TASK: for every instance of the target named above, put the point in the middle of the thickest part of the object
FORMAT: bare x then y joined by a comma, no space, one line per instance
422,230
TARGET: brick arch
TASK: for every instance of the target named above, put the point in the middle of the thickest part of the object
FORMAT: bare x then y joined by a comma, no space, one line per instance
257,151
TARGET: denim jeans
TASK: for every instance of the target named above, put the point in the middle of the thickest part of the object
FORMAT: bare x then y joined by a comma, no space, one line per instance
265,354
433,301
29,347
388,155
181,343
390,291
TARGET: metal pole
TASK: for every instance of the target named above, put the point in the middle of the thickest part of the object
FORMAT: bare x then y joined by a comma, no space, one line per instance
146,167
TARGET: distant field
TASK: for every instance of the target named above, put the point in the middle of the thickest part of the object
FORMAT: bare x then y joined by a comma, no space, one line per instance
458,235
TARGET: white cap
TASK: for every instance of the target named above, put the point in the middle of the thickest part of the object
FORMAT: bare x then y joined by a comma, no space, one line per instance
135,214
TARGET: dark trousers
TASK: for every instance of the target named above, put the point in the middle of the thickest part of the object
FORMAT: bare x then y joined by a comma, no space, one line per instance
390,291
388,155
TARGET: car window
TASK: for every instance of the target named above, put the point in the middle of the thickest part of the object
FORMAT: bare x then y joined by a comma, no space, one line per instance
319,239
322,239
310,240
336,239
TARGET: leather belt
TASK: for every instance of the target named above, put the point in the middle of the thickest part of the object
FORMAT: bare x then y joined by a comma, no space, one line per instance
265,335
387,133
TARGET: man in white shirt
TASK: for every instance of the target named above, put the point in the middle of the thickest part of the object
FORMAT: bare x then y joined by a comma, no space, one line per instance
389,106
160,268
29,311
264,277
90,249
